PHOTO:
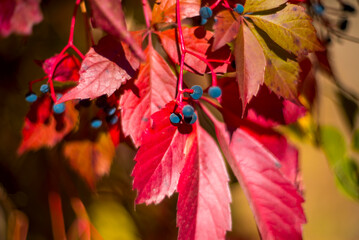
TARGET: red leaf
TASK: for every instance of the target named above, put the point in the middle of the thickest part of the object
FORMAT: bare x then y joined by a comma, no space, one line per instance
226,28
109,15
91,160
273,198
203,210
196,40
308,83
286,154
153,88
250,64
19,16
105,68
66,70
160,158
265,109
165,10
42,129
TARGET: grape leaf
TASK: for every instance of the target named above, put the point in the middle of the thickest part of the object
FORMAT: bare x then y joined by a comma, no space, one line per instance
250,65
265,109
153,88
19,16
165,10
282,71
261,5
160,158
91,160
274,200
197,40
203,210
105,68
290,28
67,69
43,129
226,28
108,14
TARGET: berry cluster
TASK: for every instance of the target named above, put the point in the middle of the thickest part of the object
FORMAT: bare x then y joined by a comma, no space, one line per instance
108,107
205,13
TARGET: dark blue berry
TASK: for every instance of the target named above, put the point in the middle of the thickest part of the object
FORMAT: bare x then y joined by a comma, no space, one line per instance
44,88
203,21
85,102
30,97
96,123
347,8
239,8
214,92
318,8
197,92
192,119
175,118
111,111
187,111
343,24
113,120
205,12
59,108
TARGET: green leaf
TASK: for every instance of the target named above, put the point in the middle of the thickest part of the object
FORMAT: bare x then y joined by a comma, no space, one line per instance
347,177
355,140
261,5
291,28
282,71
333,144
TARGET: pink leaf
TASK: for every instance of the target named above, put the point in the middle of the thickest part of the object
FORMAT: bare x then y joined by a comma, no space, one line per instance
160,158
250,64
203,210
196,40
274,200
154,87
226,28
109,15
105,68
66,70
19,16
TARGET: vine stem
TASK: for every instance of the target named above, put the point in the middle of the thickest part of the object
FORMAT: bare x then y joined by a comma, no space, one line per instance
70,44
184,51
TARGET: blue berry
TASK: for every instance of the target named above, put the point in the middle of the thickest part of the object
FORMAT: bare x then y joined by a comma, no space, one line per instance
30,97
111,111
192,119
318,8
214,92
203,21
175,118
44,88
59,108
239,8
205,12
96,123
187,111
197,92
113,120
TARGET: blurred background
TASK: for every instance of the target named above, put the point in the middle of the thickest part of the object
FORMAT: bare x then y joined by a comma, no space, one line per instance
26,181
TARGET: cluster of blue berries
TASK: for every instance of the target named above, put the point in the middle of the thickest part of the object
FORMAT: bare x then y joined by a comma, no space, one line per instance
31,97
111,117
205,13
213,91
189,116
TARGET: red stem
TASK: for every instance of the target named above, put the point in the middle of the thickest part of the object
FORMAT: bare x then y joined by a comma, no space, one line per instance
35,81
145,7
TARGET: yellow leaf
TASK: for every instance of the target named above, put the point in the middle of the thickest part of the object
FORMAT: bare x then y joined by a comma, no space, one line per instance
90,159
282,72
250,64
261,5
291,28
